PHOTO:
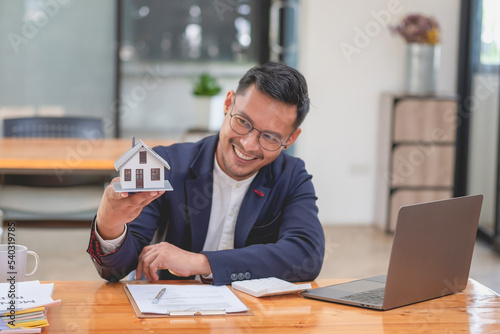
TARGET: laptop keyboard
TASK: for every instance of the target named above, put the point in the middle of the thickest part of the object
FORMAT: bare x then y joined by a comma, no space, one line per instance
375,297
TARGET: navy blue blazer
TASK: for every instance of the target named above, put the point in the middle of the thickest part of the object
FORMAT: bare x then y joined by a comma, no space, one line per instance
277,231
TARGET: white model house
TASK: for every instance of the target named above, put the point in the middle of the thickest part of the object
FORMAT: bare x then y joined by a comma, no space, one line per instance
141,169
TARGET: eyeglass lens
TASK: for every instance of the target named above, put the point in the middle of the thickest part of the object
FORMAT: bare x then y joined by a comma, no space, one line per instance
242,126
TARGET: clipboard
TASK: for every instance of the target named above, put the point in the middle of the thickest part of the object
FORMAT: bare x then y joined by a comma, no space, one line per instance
183,314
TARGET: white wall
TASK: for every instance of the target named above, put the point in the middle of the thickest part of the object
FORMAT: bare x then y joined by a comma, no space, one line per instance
339,137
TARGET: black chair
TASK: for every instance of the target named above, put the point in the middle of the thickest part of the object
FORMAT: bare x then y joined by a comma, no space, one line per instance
53,127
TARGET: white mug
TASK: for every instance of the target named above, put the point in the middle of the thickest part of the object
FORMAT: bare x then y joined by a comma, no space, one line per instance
13,263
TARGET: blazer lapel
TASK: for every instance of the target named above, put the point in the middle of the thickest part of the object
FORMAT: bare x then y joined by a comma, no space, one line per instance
199,201
253,202
199,192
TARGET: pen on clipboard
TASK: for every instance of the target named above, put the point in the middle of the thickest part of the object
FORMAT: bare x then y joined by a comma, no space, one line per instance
158,296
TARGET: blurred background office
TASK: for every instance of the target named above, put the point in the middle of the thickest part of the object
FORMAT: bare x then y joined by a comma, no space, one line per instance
134,64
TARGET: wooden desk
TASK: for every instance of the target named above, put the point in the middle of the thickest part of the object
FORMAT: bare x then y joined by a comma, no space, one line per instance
99,307
49,156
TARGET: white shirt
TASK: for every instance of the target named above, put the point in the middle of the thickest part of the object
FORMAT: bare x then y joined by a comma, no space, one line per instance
220,235
229,194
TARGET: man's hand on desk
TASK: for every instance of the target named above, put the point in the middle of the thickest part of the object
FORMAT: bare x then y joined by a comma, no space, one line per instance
117,209
167,256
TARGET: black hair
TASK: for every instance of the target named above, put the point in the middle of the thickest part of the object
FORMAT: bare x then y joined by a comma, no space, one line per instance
280,82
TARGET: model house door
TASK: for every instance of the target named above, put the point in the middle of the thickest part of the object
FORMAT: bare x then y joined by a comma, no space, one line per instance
139,178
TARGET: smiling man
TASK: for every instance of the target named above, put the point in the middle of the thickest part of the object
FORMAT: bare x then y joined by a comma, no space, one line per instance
241,208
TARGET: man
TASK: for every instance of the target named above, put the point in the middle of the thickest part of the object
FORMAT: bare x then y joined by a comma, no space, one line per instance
240,209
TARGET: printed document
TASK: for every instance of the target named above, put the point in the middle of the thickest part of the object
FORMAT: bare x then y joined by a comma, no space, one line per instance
185,299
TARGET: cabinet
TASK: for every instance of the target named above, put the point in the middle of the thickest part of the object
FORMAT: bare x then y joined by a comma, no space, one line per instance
415,153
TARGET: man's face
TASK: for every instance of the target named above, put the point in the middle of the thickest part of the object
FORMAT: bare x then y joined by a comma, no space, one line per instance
241,156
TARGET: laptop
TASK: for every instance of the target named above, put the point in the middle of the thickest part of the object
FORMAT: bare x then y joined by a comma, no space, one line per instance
430,257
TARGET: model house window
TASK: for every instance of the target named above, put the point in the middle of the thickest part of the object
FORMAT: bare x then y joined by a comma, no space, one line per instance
128,175
142,157
155,174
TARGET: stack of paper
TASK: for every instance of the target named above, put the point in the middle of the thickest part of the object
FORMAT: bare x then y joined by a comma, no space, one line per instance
23,306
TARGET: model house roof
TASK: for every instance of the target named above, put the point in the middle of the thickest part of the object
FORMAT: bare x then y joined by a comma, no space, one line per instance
133,150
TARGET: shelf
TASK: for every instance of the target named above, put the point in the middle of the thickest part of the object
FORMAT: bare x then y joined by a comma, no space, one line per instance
416,153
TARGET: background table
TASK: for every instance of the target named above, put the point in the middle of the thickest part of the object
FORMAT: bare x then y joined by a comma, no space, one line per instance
99,307
45,156
90,162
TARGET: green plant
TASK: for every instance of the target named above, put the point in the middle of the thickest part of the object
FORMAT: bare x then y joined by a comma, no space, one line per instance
206,86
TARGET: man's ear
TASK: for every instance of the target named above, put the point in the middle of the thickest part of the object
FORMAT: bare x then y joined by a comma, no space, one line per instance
293,137
228,102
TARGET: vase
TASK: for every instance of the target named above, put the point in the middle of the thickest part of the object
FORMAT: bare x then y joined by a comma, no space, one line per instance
422,67
202,105
208,112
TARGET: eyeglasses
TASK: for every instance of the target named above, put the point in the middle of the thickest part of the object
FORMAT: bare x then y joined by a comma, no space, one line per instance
267,140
